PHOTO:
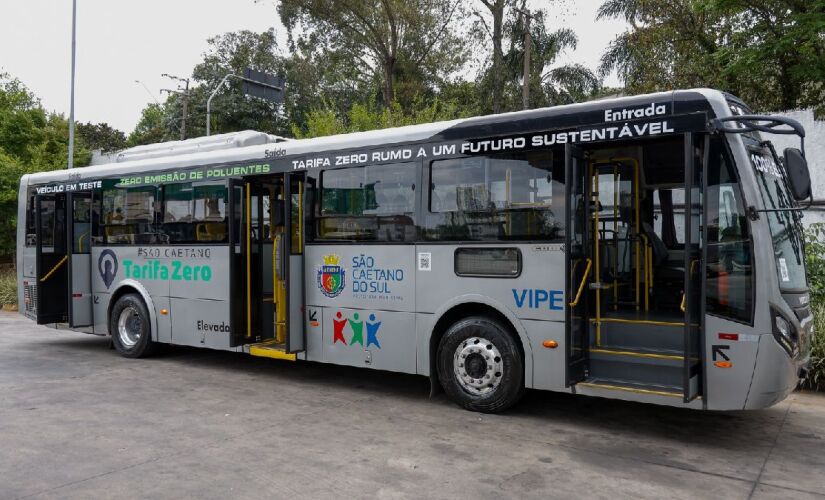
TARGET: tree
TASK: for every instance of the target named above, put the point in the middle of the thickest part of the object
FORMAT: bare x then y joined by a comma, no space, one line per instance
101,136
496,10
31,140
771,53
151,128
549,83
408,45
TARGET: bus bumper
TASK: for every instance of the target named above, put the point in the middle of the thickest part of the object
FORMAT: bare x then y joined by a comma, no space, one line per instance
775,375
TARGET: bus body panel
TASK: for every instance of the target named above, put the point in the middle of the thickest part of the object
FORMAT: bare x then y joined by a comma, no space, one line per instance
727,388
773,378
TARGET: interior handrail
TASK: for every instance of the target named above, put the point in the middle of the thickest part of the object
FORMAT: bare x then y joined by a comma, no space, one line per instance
581,285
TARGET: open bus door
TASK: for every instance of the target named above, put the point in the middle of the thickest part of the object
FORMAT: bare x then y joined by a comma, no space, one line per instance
578,266
79,206
266,279
51,259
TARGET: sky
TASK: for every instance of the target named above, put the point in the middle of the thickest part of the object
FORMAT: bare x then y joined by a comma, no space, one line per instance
124,47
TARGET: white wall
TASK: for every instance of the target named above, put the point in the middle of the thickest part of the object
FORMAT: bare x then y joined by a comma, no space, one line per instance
815,153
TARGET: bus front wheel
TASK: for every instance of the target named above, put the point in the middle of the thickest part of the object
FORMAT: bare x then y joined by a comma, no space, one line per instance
480,365
130,327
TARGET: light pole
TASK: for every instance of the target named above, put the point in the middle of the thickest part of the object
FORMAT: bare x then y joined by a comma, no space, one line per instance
71,99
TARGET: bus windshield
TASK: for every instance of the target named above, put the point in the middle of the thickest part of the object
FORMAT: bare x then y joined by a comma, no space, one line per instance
785,226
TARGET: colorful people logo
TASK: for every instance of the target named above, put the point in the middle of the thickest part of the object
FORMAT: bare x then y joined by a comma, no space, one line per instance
356,325
331,276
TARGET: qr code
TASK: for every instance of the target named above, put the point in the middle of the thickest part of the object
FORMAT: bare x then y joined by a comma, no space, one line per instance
425,261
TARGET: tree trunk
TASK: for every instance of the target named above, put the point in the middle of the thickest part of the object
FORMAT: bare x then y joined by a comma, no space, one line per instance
498,55
389,88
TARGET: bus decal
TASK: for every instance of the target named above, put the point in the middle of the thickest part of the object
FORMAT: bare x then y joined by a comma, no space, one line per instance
356,325
107,266
535,299
331,276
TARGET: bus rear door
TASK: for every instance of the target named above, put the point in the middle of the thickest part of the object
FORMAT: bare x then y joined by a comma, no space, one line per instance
80,263
51,261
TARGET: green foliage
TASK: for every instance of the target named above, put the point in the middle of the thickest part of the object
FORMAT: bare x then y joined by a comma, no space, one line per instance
815,262
8,286
771,53
100,136
360,118
816,373
31,140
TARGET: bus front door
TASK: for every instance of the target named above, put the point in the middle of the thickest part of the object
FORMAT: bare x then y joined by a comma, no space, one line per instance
79,205
51,297
578,267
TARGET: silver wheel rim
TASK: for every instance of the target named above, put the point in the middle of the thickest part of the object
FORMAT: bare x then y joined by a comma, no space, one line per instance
478,366
129,327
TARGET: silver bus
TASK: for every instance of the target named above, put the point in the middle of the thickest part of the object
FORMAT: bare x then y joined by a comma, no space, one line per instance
644,248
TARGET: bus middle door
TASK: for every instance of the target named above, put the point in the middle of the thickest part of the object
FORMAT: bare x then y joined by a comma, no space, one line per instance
80,259
578,266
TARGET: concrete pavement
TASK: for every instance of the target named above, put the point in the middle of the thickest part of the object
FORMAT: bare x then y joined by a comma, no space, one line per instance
78,421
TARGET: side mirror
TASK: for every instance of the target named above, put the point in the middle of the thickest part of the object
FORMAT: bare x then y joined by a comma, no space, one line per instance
799,178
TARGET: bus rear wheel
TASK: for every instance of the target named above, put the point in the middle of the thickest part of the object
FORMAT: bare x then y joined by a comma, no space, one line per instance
130,327
480,365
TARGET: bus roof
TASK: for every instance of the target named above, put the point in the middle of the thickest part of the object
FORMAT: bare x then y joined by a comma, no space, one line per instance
483,126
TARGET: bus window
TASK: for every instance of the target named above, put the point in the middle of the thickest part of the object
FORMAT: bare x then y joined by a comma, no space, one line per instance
129,215
31,222
373,203
729,272
81,224
195,213
502,197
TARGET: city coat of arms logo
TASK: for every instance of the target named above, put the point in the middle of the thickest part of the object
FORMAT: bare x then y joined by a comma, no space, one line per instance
331,276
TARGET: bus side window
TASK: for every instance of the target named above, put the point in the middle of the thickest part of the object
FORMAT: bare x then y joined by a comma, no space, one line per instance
31,230
506,197
195,213
373,203
729,270
129,215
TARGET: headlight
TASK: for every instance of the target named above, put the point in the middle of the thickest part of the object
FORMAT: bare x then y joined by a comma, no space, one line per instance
785,334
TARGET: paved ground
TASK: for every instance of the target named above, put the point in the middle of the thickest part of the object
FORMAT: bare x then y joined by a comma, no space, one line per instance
78,421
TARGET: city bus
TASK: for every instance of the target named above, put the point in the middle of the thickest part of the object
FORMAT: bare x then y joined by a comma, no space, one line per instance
645,248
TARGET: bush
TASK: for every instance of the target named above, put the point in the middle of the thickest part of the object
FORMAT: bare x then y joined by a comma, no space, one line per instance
816,376
8,287
815,261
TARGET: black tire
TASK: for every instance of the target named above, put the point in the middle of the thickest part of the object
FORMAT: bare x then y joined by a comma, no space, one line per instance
135,340
495,369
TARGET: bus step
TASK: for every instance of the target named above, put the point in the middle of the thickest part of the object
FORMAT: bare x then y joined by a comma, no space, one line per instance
271,349
642,335
624,385
642,366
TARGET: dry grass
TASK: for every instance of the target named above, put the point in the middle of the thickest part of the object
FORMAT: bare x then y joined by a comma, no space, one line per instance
8,287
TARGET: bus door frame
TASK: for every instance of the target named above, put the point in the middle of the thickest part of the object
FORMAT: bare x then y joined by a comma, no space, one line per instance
79,288
294,276
695,275
237,277
51,274
578,267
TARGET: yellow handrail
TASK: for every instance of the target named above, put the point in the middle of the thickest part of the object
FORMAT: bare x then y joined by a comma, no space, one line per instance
54,269
581,285
683,306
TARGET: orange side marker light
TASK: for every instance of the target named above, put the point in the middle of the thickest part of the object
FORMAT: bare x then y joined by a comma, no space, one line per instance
723,364
550,344
164,311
